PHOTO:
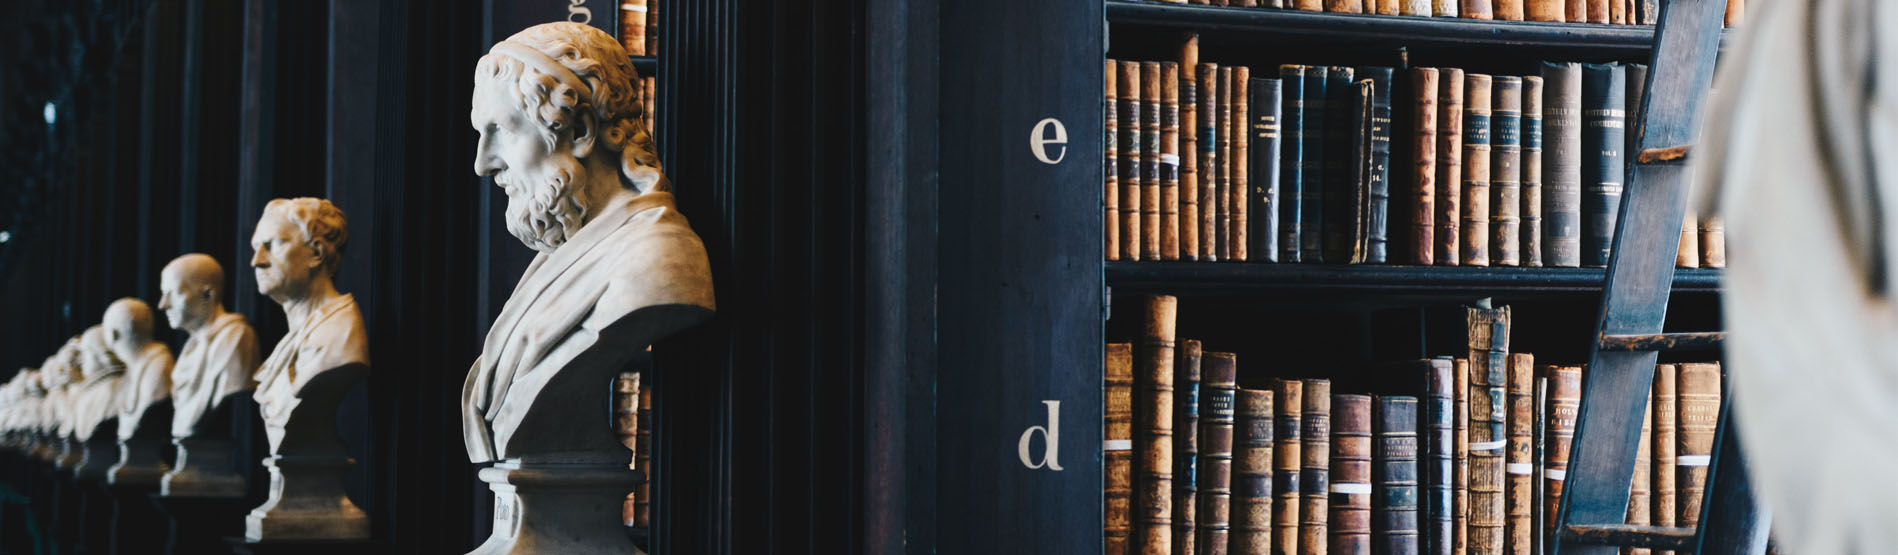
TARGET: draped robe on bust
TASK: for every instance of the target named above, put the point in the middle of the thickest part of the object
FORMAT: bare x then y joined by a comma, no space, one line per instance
93,402
215,363
147,381
331,337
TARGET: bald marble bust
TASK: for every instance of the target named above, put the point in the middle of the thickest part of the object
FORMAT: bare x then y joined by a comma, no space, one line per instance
220,356
148,362
98,396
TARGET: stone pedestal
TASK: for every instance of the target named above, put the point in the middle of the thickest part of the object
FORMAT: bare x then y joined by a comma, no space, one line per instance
199,525
99,454
67,453
306,502
141,464
558,508
205,468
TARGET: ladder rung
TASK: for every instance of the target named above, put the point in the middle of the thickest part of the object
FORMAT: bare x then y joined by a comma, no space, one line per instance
1697,341
1629,535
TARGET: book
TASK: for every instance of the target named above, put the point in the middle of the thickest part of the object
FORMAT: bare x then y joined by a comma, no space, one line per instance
1509,10
1449,167
1343,125
1688,254
1222,226
1241,160
1699,391
1736,11
1348,524
1208,112
1547,10
1394,505
1263,175
1505,185
1186,382
1531,238
1562,164
1565,400
1311,188
1150,186
1640,501
632,26
1309,5
1518,457
642,457
1650,11
1476,168
1713,242
1130,160
1421,244
1169,161
1604,140
1475,9
1489,349
1110,167
1577,11
1419,8
1460,494
1153,426
1637,83
1217,415
1377,212
1388,7
1597,11
1314,468
1287,458
1438,436
1117,447
1189,147
1540,518
1291,162
1444,8
1618,12
652,27
1252,476
1344,6
1664,445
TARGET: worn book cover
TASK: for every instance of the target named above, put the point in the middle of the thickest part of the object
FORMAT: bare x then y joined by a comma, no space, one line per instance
1263,176
1394,501
1489,350
1316,129
1241,160
1604,140
1189,147
1699,413
1377,211
1509,10
1562,164
1476,9
1438,434
1519,457
1186,381
1287,460
1130,160
1547,10
1713,242
1450,167
1640,500
1217,414
1476,170
1118,446
1348,525
1151,106
1531,235
1252,477
1110,167
1460,502
1291,162
1315,468
1505,177
1597,11
1153,426
1665,446
1169,161
1222,226
1688,254
1344,6
1420,246
1344,133
1208,111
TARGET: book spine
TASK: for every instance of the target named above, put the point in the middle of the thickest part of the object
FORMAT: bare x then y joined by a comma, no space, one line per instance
1252,479
1640,499
1460,509
1423,150
1117,447
1267,103
1541,518
1519,461
1547,10
1314,467
1505,187
1562,165
1618,12
1130,160
1688,255
1309,5
1475,9
1110,198
1223,226
1343,181
1153,427
1394,505
1217,414
1377,214
1287,456
1349,520
1699,413
1509,10
1598,11
1189,148
1565,401
1344,6
1449,167
1443,8
1169,161
1666,377
1291,162
1577,11
1637,82
1311,186
1489,348
1150,104
1476,168
1418,8
632,26
1604,138
1531,171
1713,242
1208,161
642,496
652,27
1241,163
1186,382
1389,7
1650,12
1439,459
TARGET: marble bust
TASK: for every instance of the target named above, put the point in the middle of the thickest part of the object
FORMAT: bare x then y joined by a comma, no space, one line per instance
215,365
144,412
558,113
95,404
58,375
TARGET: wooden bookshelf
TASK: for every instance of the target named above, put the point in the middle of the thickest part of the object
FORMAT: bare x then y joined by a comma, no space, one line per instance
648,66
1398,282
1306,27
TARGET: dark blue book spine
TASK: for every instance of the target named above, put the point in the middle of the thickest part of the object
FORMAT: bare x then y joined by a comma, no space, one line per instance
1311,187
1291,162
1266,103
1604,150
1394,477
1377,215
1343,166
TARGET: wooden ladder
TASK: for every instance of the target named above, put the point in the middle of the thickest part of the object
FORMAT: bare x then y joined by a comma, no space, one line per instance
1634,304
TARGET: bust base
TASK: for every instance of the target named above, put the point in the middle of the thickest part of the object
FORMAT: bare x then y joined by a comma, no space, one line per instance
205,469
140,464
558,508
306,502
96,456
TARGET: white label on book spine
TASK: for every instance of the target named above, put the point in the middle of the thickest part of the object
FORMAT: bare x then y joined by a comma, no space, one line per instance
1170,159
1554,474
1693,460
1489,445
1118,445
1351,488
1524,469
633,7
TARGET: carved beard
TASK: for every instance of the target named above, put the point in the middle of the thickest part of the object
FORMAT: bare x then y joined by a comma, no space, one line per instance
545,208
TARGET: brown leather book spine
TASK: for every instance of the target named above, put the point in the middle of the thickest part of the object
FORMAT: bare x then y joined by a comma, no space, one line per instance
1597,11
642,458
1391,7
1688,256
1186,384
1476,168
1110,168
1252,477
1736,11
1449,166
1699,413
1577,11
1640,498
1476,9
1315,468
1505,187
1519,459
1460,498
1547,10
1650,11
1423,151
1217,409
652,27
1208,162
1489,348
1531,171
1287,457
1350,499
1153,427
1241,160
1117,448
1151,104
1509,10
1128,84
1169,161
632,26
1189,148
1309,5
1666,377
1565,399
1344,6
1713,242
1224,225
1618,12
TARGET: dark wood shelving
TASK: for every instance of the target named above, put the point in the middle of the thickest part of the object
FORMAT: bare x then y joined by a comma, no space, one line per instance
1447,282
1405,30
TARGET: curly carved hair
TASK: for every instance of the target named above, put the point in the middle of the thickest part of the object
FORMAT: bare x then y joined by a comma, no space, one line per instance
611,111
325,228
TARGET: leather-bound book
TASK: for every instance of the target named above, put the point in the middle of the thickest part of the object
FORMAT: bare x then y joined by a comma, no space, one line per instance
1150,104
1577,11
1314,468
1287,458
1449,167
1666,377
652,27
1348,198
1117,449
1267,99
1565,399
1637,85
1418,8
1562,164
632,26
642,459
1208,161
1736,11
1252,476
1344,6
1604,142
1394,505
1443,8
1460,500
1476,168
1618,12
1217,413
1437,432
1130,160
1597,11
1505,178
1110,167
1222,226
1241,162
1531,171
1291,162
1489,349
1640,500
1509,10
1547,10
1420,246
1650,11
1189,147
1539,519
1153,426
1186,382
1688,255
1476,9
1309,5
1390,7
1349,522
1713,242
1519,457
1169,161
1699,413
1377,214
1312,183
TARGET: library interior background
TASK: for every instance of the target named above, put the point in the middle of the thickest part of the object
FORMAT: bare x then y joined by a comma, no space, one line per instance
1076,277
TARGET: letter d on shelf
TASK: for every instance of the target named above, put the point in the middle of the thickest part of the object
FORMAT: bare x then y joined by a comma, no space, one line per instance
1051,437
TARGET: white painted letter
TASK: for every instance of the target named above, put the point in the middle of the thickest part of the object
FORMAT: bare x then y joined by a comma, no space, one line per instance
1050,435
1036,142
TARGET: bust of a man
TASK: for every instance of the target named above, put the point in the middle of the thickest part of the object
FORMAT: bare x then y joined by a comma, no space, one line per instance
128,330
218,359
299,248
57,376
98,395
558,112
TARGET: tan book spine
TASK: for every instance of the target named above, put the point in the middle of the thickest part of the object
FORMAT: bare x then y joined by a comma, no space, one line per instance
1186,392
1640,498
652,27
632,26
1449,167
1189,148
1349,521
1713,242
1664,422
642,508
1547,10
1443,8
1505,177
1315,468
1531,240
1241,161
1309,5
1390,7
1460,497
1287,457
1169,161
1117,449
1476,9
1489,348
1150,185
1597,11
1519,458
1699,413
1110,168
1423,150
1128,84
1252,477
1344,6
1153,427
1217,408
1509,10
1688,256
1577,11
1476,168
1736,11
1208,162
1224,225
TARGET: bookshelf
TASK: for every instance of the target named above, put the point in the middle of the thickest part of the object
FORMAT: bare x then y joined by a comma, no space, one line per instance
1403,284
1324,27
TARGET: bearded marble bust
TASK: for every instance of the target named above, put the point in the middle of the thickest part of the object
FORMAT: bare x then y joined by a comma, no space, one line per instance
219,358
